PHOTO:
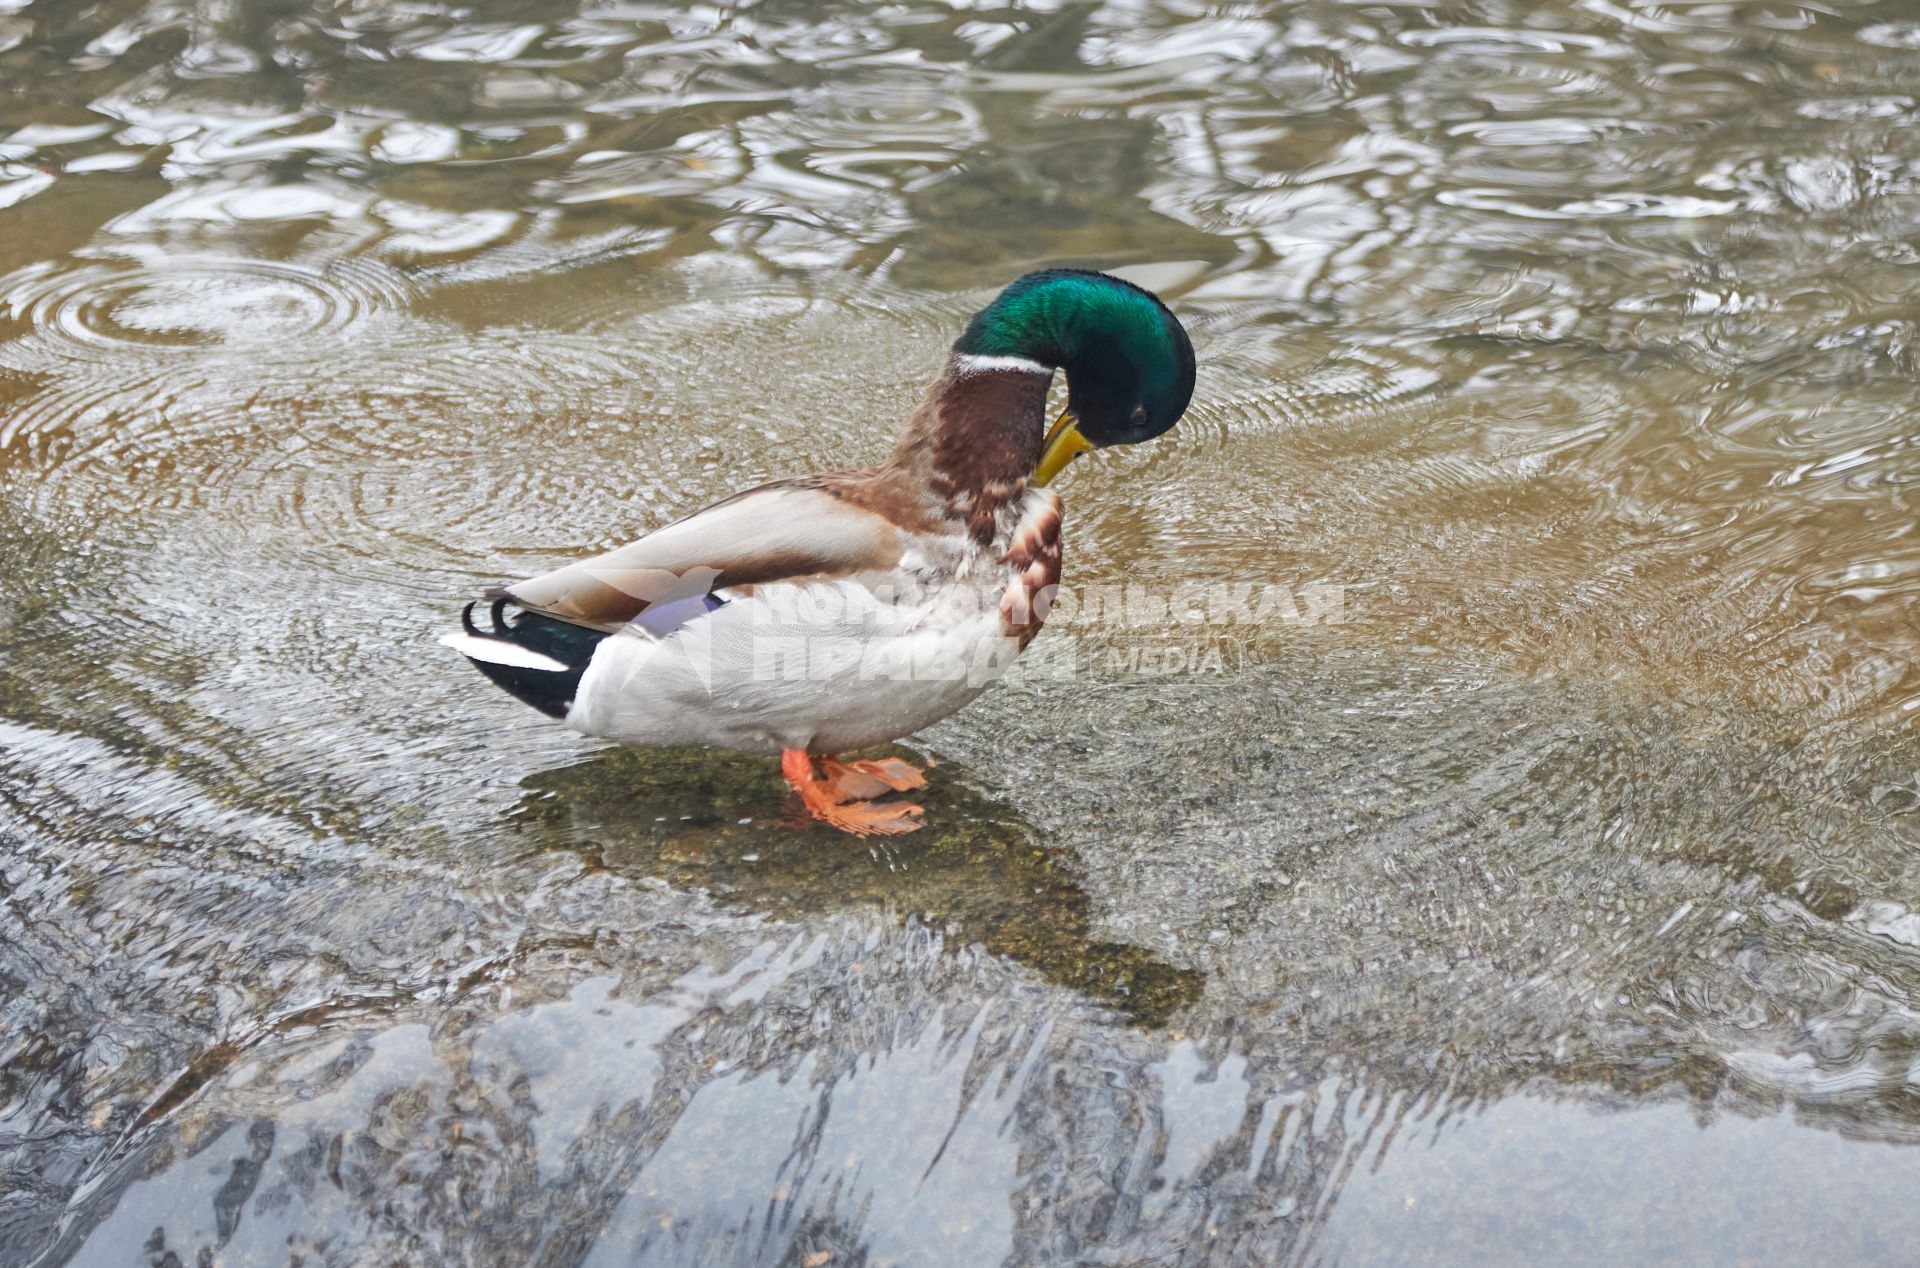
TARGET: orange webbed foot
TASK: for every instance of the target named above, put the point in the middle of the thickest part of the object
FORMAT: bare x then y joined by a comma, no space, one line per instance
872,778
840,800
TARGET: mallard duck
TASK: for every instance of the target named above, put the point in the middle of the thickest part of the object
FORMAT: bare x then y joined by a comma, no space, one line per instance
828,613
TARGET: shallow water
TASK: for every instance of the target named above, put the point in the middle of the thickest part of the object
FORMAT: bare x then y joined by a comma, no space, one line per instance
1559,901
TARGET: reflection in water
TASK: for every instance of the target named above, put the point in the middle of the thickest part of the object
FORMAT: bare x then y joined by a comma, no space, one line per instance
981,879
703,1039
1559,903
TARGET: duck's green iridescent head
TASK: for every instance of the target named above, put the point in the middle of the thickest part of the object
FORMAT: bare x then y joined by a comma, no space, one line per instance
1128,362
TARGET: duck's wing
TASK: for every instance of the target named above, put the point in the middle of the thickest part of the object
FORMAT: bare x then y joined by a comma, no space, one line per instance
775,532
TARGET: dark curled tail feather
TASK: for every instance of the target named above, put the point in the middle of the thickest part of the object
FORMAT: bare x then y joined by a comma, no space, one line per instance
549,690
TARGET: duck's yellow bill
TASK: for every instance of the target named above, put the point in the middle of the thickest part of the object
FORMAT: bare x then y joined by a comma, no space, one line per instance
1064,443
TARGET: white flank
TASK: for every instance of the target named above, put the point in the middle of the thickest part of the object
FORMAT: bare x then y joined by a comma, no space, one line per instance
972,363
826,664
500,652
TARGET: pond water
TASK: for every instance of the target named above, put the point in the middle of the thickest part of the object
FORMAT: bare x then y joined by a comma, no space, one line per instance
1554,896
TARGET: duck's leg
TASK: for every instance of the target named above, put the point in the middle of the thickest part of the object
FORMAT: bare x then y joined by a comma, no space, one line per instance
832,801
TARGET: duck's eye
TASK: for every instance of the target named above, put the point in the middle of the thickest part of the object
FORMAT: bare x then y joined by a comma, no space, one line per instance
1139,416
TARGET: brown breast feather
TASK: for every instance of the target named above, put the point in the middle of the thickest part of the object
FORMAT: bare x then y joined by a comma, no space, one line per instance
1034,553
973,441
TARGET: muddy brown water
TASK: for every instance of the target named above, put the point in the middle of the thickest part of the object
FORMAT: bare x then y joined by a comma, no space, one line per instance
1558,901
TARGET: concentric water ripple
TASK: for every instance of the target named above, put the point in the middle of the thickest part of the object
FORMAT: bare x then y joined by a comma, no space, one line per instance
91,311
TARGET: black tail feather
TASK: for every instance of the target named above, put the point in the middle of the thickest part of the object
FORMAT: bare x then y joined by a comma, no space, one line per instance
549,690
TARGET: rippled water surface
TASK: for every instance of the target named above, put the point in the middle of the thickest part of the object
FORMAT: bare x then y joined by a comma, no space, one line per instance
1560,902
